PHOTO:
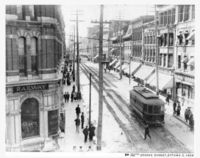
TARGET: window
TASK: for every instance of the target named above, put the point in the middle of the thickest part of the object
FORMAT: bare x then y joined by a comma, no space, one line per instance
150,109
165,18
22,56
169,17
180,13
165,39
156,109
186,12
193,11
173,16
179,62
30,118
171,39
145,108
34,56
161,18
21,12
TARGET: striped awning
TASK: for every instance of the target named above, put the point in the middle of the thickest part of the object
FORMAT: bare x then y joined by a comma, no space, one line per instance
144,72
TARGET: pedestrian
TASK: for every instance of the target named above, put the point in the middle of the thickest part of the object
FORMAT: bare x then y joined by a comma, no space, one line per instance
146,132
85,132
78,111
167,98
191,122
77,123
65,96
187,114
178,111
91,132
82,120
72,97
174,107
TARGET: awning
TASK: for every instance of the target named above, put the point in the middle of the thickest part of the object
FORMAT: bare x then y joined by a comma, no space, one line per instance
144,72
191,61
96,56
165,81
117,64
114,38
134,66
128,36
113,62
125,66
191,36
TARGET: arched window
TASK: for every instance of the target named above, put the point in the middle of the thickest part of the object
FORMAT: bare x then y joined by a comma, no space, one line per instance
34,56
22,56
30,118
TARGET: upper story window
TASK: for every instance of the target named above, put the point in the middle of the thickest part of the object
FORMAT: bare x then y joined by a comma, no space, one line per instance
180,13
193,11
171,39
186,12
34,56
22,56
21,12
173,15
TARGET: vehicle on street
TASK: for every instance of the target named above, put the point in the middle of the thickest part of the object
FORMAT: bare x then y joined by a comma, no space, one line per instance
147,105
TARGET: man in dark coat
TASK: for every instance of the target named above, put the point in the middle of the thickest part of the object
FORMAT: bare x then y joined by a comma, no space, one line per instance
77,123
72,97
92,133
82,120
67,96
85,132
178,111
146,132
78,111
174,107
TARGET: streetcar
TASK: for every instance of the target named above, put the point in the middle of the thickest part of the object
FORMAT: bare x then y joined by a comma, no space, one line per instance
147,106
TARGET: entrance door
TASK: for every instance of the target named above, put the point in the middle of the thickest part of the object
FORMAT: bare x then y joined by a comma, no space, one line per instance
30,118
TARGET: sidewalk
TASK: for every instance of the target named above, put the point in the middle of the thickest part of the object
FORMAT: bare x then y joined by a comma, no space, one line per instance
71,141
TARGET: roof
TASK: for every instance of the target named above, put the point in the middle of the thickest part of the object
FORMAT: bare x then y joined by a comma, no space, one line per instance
146,96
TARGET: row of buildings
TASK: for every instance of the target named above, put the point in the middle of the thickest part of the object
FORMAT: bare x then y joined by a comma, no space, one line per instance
35,44
176,46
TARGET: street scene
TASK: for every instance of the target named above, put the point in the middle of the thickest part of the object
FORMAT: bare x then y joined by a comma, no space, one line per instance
104,78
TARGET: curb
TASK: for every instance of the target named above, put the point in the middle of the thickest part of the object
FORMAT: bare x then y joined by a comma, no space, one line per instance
178,118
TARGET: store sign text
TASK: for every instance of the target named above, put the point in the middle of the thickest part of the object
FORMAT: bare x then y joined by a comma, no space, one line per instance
30,88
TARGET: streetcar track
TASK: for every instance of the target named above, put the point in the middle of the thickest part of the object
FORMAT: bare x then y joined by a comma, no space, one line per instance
170,140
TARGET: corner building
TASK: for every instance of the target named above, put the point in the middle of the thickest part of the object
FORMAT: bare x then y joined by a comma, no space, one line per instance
35,44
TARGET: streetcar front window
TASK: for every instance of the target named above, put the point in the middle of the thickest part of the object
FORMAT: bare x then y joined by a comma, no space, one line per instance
150,109
156,109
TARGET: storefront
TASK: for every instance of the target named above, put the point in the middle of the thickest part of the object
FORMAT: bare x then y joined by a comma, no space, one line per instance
32,114
185,89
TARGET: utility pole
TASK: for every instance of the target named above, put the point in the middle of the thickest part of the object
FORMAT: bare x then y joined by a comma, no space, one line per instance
90,102
100,117
157,58
74,56
77,57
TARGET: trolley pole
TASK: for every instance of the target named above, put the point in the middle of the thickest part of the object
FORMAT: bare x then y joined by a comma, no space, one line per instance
156,42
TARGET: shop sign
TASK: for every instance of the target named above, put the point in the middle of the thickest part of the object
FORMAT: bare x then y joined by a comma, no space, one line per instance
30,88
52,122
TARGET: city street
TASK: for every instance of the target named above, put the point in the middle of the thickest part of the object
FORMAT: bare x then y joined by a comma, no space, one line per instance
122,131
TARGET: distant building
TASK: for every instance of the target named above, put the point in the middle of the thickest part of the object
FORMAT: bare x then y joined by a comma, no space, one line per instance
35,44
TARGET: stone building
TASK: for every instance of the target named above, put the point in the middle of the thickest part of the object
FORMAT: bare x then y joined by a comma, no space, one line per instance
35,44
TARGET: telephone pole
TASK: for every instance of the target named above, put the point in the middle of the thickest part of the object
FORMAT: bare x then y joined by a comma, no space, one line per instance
157,58
100,116
74,56
77,57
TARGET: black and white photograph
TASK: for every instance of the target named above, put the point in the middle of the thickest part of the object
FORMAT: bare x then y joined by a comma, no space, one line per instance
100,78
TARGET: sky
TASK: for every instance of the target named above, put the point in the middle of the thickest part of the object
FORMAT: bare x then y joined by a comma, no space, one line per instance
92,12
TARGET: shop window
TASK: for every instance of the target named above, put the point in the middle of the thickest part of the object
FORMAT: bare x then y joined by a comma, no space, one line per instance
34,56
30,118
186,12
180,13
22,56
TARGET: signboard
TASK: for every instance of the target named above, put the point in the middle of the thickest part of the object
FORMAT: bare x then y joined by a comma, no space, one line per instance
52,122
30,88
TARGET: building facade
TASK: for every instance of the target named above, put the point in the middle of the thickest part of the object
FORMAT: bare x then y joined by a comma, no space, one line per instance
35,44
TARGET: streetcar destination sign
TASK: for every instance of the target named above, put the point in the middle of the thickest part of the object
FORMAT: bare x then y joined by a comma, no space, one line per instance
30,88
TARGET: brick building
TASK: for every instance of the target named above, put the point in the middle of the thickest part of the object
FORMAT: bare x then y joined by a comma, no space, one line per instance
35,44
